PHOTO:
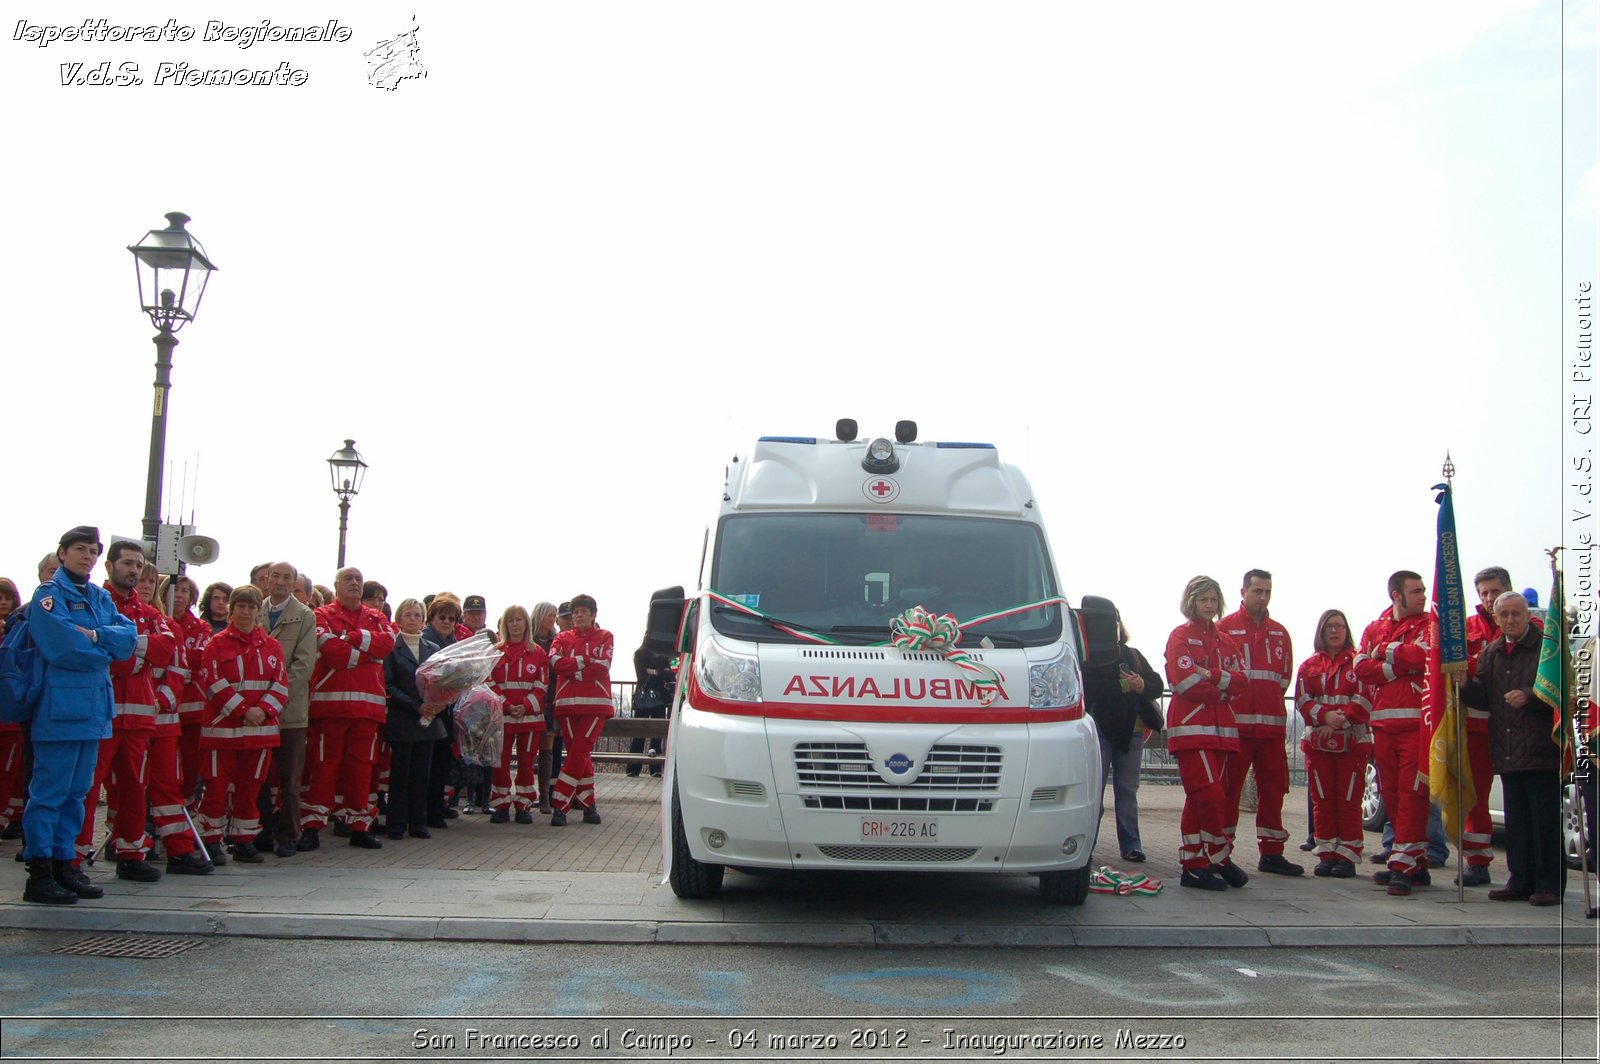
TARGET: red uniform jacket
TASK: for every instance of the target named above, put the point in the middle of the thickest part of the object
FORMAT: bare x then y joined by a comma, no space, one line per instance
132,686
522,679
347,680
196,634
1393,660
1203,669
1268,659
1325,683
170,682
239,671
580,660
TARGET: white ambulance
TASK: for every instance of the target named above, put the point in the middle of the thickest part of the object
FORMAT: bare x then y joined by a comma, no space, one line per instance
803,737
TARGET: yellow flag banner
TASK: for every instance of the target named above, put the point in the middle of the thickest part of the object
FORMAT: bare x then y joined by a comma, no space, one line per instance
1449,783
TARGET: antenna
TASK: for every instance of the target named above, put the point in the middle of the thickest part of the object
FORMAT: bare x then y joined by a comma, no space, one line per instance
183,492
196,494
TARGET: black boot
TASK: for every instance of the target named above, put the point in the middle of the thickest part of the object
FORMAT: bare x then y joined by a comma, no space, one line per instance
138,871
308,841
42,886
71,876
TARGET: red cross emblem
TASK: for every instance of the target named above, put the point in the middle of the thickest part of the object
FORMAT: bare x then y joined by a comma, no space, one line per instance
881,489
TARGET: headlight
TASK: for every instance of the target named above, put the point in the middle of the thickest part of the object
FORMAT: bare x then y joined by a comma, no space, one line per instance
1052,684
732,677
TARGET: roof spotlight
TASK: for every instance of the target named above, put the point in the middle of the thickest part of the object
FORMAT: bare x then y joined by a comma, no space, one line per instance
845,429
905,431
880,457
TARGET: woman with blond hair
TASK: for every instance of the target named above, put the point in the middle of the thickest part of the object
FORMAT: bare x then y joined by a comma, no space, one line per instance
1203,666
412,727
521,678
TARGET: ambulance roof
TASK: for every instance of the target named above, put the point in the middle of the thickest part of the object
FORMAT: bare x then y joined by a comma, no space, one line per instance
789,473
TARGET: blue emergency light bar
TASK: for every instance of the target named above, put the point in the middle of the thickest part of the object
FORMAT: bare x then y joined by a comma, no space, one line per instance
967,446
787,439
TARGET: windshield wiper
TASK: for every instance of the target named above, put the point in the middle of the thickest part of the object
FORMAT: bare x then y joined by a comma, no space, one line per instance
771,622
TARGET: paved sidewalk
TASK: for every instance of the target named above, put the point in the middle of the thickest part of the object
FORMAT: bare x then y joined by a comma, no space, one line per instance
581,883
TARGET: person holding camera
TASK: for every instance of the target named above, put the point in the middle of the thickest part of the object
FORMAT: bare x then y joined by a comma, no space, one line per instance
1124,698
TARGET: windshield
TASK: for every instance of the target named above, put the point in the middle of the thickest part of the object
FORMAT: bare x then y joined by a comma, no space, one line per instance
847,575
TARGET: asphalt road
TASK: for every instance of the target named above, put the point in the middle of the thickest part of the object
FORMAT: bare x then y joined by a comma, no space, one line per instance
356,1000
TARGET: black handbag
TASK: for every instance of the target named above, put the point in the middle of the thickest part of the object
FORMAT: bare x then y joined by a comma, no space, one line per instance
651,695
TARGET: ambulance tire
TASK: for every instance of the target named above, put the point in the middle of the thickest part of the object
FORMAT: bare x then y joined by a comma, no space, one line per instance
1065,888
690,878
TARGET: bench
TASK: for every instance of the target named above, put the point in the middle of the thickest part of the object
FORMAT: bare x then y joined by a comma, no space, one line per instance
634,728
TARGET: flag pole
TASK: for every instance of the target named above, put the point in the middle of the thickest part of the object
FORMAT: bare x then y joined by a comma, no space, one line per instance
1451,698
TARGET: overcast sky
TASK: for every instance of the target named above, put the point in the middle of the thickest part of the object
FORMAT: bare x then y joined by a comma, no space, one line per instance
1227,280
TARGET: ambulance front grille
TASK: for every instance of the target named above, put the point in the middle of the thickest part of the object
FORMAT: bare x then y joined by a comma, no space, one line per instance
845,766
904,854
875,803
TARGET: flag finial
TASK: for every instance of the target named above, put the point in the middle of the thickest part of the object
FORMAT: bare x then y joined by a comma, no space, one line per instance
1449,469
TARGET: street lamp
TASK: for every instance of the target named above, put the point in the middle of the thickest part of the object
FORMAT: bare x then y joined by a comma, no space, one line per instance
346,468
172,269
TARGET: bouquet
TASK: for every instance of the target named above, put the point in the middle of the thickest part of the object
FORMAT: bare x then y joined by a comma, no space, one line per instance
480,726
457,669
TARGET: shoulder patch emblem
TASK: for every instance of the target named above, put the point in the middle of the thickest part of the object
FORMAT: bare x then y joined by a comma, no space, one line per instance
1351,676
1186,662
48,603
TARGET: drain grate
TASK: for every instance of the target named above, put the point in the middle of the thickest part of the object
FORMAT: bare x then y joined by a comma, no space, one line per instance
128,946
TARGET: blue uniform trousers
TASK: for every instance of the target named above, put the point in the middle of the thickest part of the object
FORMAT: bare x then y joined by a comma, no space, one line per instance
63,771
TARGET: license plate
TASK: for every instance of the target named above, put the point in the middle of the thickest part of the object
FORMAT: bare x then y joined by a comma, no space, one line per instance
899,829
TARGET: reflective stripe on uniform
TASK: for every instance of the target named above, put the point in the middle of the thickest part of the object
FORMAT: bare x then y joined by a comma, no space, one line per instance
348,696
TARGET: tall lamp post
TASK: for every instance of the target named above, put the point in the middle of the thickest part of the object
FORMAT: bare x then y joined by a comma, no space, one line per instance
173,270
346,468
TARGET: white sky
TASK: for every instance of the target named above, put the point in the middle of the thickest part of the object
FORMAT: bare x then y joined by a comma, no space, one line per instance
1227,280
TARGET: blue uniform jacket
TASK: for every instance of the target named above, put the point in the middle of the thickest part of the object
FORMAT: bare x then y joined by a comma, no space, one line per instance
77,702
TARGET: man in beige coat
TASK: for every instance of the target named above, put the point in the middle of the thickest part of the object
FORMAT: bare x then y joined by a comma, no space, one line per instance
294,626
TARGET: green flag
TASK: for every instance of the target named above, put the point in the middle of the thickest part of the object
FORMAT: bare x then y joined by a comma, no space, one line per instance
1554,680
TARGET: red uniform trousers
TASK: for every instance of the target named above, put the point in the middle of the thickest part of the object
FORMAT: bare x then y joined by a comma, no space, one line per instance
189,751
1336,782
575,785
120,768
233,781
1476,844
1266,754
1406,799
1203,838
523,740
13,789
166,774
339,756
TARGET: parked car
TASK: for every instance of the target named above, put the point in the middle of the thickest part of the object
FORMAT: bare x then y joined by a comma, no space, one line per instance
1373,814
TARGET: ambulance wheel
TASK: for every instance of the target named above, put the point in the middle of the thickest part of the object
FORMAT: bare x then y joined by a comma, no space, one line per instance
1065,888
691,878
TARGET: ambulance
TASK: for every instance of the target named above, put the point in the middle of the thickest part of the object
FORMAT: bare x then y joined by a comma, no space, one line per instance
879,672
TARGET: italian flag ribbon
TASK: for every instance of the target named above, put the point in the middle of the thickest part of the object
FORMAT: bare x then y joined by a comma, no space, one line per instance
1106,880
915,629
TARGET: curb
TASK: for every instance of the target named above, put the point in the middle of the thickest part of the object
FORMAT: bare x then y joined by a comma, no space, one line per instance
678,932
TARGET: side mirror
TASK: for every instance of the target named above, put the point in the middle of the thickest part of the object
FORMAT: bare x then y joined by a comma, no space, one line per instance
1098,617
661,626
